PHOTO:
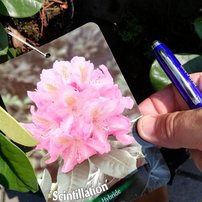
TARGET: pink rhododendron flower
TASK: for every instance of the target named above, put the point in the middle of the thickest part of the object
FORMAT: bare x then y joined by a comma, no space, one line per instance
77,108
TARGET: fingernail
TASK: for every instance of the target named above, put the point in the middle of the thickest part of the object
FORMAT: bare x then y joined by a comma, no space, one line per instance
146,126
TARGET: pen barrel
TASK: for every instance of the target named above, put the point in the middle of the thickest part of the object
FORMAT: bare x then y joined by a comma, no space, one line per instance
177,74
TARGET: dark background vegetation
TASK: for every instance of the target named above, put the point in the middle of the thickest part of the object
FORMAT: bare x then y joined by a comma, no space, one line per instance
131,26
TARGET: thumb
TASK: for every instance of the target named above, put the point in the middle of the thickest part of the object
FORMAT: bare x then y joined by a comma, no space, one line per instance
173,130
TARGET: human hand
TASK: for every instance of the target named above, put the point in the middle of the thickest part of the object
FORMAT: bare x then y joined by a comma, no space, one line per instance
168,121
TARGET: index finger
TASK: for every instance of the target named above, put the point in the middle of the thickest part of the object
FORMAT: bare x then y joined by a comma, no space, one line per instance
168,99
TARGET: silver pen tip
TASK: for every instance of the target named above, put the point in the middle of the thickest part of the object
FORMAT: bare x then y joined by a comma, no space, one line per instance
155,44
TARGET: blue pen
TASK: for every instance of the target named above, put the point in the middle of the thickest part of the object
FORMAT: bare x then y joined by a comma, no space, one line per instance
177,75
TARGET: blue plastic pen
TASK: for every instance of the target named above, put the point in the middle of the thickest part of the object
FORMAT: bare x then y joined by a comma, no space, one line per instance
177,75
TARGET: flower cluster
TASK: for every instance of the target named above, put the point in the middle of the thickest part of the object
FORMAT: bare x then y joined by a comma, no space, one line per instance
77,108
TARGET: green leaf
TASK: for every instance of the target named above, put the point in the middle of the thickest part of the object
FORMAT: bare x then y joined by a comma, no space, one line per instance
192,63
12,53
20,8
158,77
118,163
198,27
16,172
12,129
3,41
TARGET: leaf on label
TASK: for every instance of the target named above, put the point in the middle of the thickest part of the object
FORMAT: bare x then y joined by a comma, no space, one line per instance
96,177
75,179
118,163
16,172
45,183
134,151
116,144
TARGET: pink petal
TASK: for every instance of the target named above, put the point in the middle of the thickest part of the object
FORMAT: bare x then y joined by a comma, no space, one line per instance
76,108
100,147
125,139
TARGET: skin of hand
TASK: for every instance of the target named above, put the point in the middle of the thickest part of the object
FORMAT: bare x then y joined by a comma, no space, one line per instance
168,122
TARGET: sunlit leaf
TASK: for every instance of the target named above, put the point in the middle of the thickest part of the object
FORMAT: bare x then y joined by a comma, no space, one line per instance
16,172
192,63
158,78
20,8
14,130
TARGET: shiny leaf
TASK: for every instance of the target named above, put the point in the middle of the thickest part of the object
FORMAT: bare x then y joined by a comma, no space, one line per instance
16,172
192,63
12,129
20,8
